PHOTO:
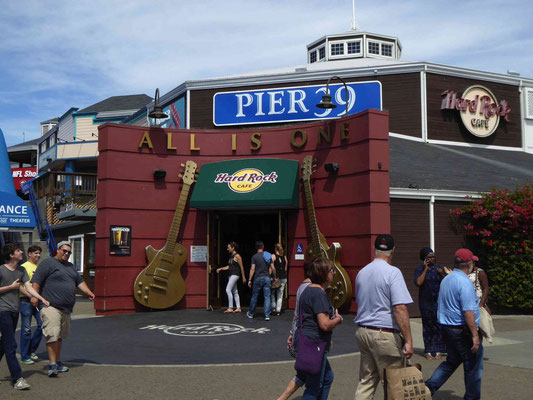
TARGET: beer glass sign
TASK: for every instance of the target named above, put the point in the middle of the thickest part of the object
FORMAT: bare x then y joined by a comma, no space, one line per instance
120,240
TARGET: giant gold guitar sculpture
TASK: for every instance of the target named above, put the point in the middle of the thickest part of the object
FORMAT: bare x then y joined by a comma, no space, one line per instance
160,285
340,290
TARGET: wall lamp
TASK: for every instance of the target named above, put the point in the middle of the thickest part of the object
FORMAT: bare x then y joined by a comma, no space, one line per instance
326,99
331,167
157,112
159,174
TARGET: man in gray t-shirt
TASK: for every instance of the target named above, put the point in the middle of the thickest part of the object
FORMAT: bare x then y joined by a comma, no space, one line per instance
260,278
58,279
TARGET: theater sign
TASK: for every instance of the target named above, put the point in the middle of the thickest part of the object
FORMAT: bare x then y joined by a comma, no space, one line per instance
479,110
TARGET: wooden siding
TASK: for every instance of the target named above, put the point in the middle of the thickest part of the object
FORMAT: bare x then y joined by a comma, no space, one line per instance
447,124
410,229
401,98
85,128
66,129
449,235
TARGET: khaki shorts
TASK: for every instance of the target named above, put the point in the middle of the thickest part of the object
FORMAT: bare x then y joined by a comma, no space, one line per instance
56,324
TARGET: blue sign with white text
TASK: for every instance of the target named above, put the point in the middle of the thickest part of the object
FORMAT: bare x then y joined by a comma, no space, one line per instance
14,212
265,106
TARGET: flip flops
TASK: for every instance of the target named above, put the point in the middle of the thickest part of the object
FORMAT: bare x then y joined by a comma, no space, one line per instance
229,311
237,310
428,356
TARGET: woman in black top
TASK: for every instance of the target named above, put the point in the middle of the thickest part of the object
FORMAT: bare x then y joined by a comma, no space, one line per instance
280,263
319,318
236,271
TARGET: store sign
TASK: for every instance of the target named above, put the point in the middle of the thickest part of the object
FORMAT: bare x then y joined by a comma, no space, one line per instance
22,175
478,108
246,180
14,212
276,105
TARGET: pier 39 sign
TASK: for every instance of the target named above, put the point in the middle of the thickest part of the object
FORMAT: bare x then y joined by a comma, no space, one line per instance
276,105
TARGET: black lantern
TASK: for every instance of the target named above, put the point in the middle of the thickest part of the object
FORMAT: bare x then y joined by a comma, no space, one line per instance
157,112
326,98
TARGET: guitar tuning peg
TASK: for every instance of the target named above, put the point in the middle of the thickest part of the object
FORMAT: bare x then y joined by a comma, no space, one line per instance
180,176
182,165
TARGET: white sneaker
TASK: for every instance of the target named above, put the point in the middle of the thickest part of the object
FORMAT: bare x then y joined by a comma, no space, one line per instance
21,384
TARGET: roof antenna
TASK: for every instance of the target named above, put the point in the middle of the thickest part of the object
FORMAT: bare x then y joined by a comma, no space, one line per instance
355,26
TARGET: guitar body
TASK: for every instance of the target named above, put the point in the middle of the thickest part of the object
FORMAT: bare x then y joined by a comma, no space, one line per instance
160,285
340,290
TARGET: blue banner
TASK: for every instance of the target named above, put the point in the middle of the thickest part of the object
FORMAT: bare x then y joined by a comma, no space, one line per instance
293,103
14,212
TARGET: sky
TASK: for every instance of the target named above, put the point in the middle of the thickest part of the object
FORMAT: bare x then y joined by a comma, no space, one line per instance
59,54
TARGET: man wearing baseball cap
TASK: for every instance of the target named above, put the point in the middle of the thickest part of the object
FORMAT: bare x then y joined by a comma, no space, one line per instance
458,314
381,296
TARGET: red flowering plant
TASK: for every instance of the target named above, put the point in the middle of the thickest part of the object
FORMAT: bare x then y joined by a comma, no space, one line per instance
499,229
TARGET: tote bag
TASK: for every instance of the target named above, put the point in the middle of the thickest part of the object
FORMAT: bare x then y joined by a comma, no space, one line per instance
405,383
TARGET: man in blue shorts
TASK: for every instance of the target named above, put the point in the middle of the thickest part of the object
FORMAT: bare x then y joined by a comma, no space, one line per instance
458,314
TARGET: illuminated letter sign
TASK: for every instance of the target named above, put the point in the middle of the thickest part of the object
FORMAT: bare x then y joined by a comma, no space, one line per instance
276,105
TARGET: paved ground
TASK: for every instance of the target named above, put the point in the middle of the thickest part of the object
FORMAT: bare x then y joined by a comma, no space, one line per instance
508,361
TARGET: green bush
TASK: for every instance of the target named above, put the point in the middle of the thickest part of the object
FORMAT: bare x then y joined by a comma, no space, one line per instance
499,230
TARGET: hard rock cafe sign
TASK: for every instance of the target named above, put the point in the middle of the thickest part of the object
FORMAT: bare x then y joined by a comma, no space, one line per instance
478,108
246,180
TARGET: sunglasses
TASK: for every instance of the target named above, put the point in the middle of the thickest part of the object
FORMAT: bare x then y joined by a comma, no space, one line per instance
66,251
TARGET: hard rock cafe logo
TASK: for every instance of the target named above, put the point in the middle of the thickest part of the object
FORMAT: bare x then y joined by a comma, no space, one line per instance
479,109
246,180
205,329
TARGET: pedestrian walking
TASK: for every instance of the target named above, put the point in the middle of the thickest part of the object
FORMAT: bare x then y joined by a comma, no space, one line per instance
298,381
236,272
11,276
260,278
280,265
28,308
383,332
58,279
316,320
459,316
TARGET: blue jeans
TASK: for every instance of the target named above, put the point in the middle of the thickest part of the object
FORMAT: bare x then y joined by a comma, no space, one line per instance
459,353
8,345
318,386
261,282
29,343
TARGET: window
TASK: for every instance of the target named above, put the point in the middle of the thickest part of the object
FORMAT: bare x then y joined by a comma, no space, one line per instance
312,57
337,49
354,47
386,50
322,53
373,48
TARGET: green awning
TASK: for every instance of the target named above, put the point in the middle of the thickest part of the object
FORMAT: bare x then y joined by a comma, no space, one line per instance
251,183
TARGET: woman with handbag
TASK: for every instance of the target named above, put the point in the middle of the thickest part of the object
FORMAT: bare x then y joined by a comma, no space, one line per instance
481,283
280,262
236,271
317,319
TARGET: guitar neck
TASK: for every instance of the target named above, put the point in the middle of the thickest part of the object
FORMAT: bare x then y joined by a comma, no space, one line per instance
176,221
315,242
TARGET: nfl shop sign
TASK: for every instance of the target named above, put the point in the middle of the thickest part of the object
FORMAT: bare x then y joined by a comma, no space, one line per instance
246,180
21,175
275,105
479,110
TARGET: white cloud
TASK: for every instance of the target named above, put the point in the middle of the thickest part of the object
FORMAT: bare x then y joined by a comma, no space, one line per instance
62,53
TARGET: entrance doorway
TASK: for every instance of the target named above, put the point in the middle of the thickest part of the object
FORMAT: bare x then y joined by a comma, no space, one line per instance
243,228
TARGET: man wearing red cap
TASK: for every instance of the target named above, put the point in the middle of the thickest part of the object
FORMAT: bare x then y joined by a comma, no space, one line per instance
458,314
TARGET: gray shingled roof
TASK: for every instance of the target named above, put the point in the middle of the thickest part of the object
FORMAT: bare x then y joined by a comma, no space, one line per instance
117,103
430,166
